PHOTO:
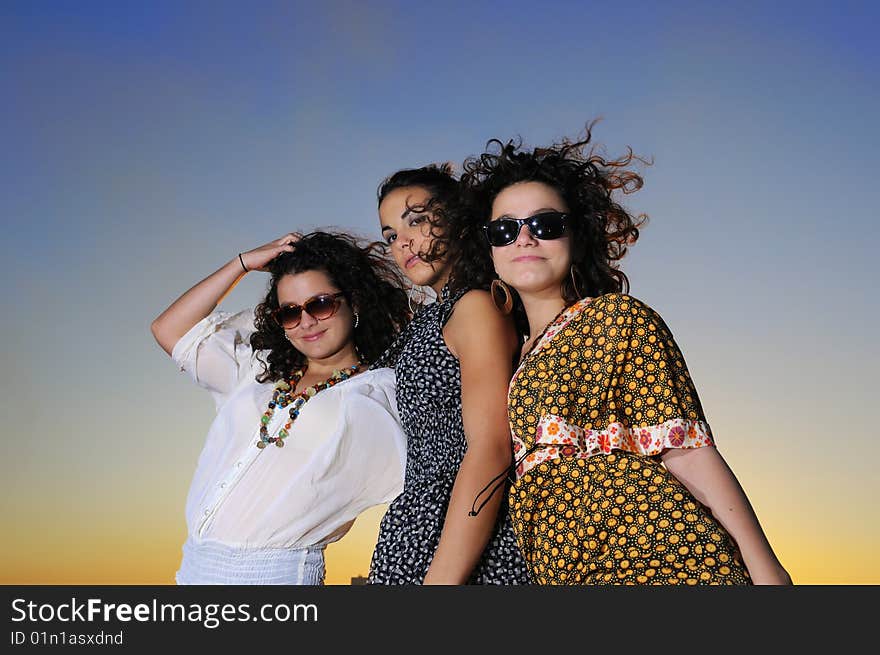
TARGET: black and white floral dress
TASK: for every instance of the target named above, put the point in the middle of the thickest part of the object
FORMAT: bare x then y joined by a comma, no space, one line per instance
429,402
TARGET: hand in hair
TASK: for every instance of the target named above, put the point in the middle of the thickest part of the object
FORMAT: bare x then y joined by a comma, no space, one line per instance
258,258
201,299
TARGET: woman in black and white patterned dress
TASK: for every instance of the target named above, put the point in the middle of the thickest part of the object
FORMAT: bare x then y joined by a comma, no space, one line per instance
453,364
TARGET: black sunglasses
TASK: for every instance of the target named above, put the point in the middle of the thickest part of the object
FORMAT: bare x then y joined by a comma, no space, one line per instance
319,307
544,226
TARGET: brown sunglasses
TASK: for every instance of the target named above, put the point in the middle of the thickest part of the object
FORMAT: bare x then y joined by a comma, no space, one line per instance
319,307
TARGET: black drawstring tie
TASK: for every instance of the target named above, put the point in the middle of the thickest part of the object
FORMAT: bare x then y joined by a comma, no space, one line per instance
500,479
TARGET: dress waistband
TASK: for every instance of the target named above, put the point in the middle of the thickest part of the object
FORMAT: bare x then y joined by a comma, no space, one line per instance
212,562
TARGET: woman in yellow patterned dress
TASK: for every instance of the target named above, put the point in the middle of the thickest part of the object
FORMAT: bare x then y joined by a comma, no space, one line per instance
617,479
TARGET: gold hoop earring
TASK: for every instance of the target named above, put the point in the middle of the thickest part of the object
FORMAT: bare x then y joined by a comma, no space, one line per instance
499,287
574,284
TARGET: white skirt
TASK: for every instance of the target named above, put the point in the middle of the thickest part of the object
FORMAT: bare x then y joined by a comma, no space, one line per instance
212,562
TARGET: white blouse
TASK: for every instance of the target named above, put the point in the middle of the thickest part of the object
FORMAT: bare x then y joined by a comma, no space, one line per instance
345,453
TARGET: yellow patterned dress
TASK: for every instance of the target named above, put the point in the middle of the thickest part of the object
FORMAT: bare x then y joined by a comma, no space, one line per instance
602,394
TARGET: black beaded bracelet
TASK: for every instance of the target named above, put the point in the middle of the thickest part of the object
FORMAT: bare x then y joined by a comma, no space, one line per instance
242,263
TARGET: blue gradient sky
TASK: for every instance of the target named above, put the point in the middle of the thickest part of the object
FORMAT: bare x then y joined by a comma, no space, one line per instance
145,144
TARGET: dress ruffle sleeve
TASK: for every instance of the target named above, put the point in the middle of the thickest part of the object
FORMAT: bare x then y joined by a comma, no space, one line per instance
611,377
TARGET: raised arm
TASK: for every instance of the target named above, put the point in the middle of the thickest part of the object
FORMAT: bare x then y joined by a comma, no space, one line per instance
199,301
708,477
483,340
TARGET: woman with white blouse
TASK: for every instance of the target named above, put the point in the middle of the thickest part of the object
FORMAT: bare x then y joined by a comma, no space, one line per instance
305,437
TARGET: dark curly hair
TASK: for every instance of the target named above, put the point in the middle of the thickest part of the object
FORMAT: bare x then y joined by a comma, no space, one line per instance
601,231
369,279
448,217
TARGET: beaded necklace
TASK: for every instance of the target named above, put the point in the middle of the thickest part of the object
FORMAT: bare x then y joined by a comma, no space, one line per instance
284,396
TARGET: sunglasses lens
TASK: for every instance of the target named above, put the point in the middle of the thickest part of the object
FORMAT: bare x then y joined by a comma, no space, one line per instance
321,307
547,226
289,317
502,232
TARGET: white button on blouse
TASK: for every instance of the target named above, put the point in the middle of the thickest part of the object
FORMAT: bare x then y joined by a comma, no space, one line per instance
345,453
